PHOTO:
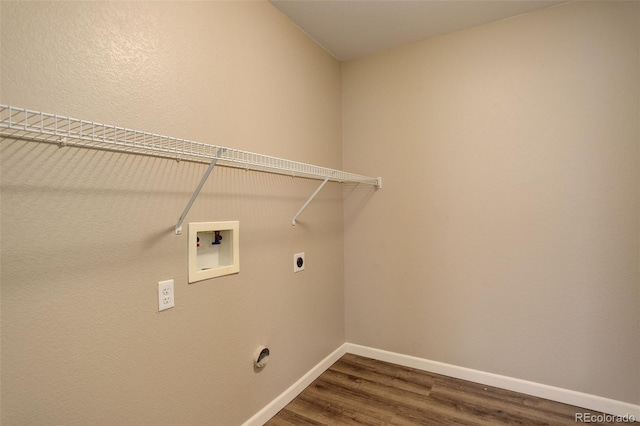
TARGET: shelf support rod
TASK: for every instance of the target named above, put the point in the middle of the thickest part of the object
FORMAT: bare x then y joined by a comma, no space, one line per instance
293,221
197,191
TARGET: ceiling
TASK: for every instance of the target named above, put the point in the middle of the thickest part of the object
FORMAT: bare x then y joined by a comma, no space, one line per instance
351,28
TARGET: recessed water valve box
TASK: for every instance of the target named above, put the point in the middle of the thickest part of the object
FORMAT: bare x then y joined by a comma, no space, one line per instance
214,250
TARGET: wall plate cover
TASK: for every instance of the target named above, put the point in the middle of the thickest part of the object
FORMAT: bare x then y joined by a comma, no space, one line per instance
166,295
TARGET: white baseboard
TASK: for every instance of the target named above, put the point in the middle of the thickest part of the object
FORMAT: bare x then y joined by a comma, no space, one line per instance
271,409
579,399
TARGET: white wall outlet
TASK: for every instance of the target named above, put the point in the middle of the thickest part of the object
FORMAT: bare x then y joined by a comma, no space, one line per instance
298,262
166,297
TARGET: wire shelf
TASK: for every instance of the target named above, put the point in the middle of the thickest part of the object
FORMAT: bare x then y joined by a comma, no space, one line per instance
21,123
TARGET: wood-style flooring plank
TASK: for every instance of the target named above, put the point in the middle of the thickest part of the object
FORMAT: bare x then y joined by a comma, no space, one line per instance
361,391
387,374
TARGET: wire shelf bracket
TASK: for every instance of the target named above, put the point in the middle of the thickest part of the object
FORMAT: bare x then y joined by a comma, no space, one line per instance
304,206
31,125
196,192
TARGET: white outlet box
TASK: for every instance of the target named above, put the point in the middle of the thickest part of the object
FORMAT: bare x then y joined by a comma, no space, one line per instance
214,249
298,262
166,298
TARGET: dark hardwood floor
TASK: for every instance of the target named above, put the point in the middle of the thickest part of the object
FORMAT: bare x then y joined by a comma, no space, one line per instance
363,391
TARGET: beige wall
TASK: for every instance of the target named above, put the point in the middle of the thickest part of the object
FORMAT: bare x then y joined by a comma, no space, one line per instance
506,236
505,239
87,234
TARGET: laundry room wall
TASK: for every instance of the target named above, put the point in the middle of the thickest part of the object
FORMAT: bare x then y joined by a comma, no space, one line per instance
506,236
86,235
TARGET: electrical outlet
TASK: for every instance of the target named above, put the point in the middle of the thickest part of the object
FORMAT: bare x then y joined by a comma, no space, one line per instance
298,262
166,298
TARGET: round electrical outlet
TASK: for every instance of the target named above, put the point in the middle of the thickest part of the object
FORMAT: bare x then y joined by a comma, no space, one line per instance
298,262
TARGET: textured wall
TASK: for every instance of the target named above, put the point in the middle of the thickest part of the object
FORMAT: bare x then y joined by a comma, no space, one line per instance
87,234
506,236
